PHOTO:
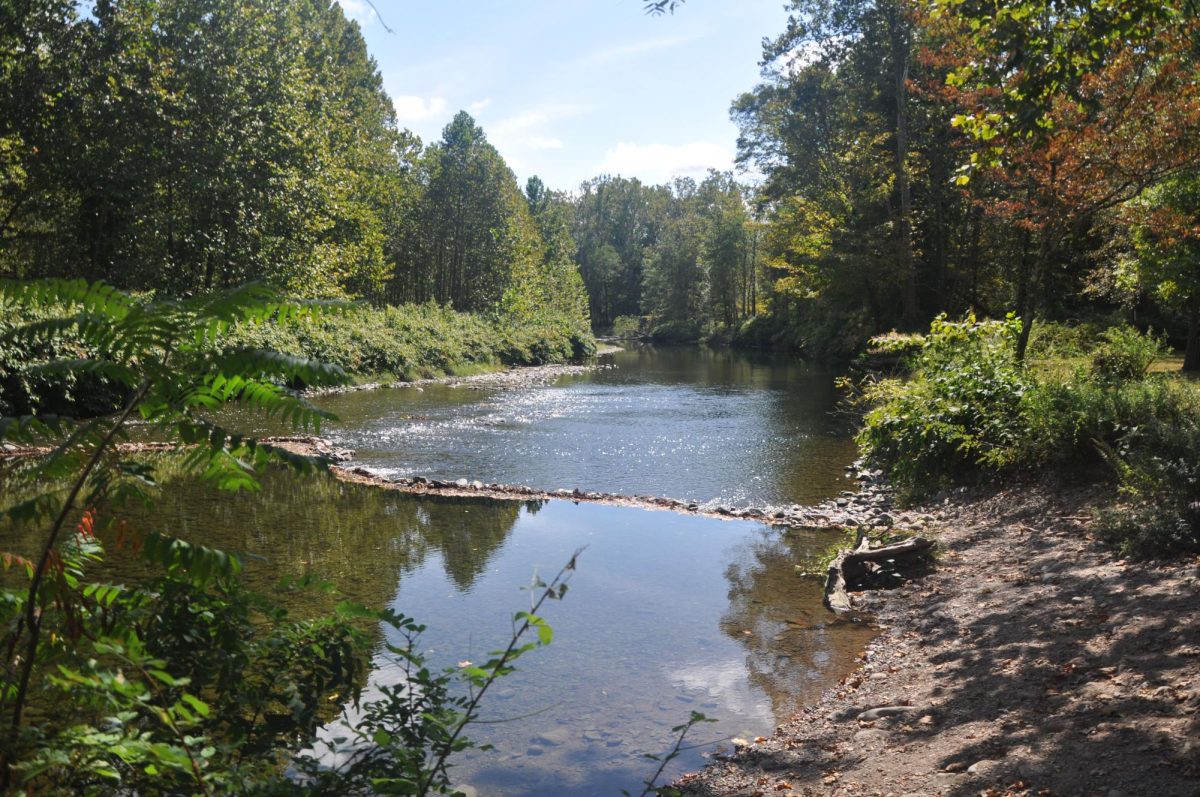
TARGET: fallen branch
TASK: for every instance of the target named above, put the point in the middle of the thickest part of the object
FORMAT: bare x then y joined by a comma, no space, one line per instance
851,565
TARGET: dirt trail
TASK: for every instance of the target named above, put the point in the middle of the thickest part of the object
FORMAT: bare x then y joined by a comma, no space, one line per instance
1031,662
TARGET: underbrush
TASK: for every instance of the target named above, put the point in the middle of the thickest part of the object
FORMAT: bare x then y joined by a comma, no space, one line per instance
417,341
407,342
971,412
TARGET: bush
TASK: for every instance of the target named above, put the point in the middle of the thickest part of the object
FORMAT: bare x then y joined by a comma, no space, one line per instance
971,411
1154,455
627,327
675,332
892,351
1124,353
960,411
25,389
1057,340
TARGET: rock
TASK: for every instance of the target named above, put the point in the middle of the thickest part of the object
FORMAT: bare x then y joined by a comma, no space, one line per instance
476,485
955,766
884,711
534,750
982,768
887,520
461,483
552,738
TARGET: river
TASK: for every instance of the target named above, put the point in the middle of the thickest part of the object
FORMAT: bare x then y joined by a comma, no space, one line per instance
667,613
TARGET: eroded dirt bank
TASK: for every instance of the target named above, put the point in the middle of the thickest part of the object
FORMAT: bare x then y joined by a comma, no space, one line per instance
1031,662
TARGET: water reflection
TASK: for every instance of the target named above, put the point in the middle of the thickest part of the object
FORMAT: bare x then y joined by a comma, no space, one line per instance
667,614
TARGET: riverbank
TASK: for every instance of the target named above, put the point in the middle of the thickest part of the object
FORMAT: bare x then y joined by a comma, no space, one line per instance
1033,661
406,344
495,377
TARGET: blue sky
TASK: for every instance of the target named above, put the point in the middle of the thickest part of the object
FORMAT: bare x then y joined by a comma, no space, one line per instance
568,89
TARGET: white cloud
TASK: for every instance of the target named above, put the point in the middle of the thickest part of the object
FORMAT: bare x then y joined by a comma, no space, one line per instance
359,10
531,130
657,163
622,52
479,105
535,117
410,108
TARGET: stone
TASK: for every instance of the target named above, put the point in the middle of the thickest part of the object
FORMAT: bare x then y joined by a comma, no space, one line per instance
552,738
982,768
884,711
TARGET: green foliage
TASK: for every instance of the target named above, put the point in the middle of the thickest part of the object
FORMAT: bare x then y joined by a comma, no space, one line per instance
970,411
893,350
1054,340
627,327
960,411
183,682
1146,431
680,331
410,342
1124,353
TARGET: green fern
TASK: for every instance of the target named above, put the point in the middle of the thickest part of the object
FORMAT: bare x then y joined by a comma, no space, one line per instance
165,358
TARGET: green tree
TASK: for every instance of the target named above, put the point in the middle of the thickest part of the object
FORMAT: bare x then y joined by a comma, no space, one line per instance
1165,261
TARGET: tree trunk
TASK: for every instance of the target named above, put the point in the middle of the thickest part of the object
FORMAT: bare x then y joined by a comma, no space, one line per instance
1027,306
904,243
1191,354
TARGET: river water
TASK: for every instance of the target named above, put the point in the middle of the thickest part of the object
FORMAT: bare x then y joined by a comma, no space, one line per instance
681,422
666,614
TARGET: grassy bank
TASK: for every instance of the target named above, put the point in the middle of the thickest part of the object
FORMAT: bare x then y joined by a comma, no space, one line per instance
371,344
970,412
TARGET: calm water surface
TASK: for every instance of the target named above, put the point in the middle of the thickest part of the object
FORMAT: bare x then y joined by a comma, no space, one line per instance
685,422
666,614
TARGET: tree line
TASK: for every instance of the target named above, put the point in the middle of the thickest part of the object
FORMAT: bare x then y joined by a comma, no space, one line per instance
185,147
1021,156
915,160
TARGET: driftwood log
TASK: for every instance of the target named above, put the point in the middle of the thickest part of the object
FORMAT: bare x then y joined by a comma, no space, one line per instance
852,565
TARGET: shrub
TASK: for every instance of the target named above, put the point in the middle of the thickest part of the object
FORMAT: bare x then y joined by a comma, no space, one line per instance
675,332
1154,456
893,351
960,411
970,410
627,327
1124,353
1057,340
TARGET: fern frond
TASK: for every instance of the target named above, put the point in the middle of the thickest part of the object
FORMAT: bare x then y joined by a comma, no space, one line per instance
95,297
60,369
31,430
90,329
198,562
260,363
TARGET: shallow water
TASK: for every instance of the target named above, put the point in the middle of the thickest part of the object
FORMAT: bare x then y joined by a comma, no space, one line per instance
666,614
681,422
